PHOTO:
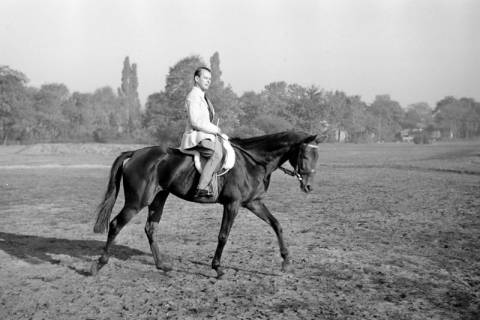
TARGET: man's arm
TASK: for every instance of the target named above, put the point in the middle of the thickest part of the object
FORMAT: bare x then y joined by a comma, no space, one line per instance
198,120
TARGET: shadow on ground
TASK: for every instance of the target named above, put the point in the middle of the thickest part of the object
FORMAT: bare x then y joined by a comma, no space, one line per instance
35,249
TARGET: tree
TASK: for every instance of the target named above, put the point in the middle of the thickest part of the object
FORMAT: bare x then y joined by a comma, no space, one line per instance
275,99
337,108
418,115
272,124
78,112
315,107
446,117
346,113
458,118
281,106
163,128
105,107
264,110
355,119
250,103
128,93
472,118
217,83
14,103
49,102
388,115
305,107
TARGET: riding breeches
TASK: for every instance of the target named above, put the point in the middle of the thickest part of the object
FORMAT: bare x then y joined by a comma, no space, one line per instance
213,151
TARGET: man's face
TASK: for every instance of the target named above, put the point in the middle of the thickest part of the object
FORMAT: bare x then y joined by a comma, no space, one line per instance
203,81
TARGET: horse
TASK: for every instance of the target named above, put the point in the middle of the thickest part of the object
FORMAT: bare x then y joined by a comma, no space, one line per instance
150,174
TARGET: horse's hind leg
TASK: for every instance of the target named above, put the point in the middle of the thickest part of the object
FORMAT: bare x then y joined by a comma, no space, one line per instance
125,215
261,211
155,210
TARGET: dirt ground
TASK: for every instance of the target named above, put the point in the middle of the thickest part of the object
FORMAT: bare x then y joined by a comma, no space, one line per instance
391,231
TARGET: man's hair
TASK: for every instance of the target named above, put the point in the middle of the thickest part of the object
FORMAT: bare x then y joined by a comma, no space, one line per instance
198,72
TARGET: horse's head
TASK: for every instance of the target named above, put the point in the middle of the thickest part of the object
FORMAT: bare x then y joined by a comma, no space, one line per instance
304,161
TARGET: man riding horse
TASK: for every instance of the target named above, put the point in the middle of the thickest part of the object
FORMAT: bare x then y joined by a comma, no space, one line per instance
200,133
151,174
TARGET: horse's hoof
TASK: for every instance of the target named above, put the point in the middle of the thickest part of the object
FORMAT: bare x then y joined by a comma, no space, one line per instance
97,265
94,268
286,266
164,267
220,273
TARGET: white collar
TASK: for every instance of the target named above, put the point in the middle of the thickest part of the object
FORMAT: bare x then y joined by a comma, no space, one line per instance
199,91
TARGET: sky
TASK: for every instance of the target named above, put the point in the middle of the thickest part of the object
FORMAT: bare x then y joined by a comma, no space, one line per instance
414,50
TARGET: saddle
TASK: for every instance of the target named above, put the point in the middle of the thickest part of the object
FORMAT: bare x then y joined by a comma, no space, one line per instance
227,162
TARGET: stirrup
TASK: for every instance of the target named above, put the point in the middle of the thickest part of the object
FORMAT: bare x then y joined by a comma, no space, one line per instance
202,193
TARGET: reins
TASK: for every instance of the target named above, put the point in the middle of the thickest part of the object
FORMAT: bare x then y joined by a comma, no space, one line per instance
293,173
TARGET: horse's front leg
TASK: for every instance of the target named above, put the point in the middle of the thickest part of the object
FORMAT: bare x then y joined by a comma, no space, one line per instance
261,211
155,210
230,211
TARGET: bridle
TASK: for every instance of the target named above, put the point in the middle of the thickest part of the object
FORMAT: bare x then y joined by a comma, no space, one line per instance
298,171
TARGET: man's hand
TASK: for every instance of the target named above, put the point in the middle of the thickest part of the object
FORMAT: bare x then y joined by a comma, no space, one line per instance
223,136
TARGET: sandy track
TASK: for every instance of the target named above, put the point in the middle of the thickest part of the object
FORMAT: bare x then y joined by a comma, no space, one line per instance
369,243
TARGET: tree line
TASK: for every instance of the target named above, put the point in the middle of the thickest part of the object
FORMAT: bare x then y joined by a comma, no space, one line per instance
52,114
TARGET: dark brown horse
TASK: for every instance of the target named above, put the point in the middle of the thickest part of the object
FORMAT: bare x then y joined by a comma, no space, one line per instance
152,173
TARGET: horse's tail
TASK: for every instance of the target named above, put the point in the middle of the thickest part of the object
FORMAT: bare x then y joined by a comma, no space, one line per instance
105,208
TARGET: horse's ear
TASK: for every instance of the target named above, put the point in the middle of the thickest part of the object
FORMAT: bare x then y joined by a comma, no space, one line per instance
310,139
321,138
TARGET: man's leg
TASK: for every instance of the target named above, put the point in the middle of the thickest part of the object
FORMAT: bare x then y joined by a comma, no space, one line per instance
212,162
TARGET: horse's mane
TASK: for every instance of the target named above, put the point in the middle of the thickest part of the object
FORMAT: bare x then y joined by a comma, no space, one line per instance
268,141
261,147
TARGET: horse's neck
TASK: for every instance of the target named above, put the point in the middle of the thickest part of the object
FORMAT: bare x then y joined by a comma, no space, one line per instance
278,157
279,161
274,152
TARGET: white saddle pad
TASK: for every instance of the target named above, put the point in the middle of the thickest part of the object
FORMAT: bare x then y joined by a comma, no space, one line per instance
228,162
